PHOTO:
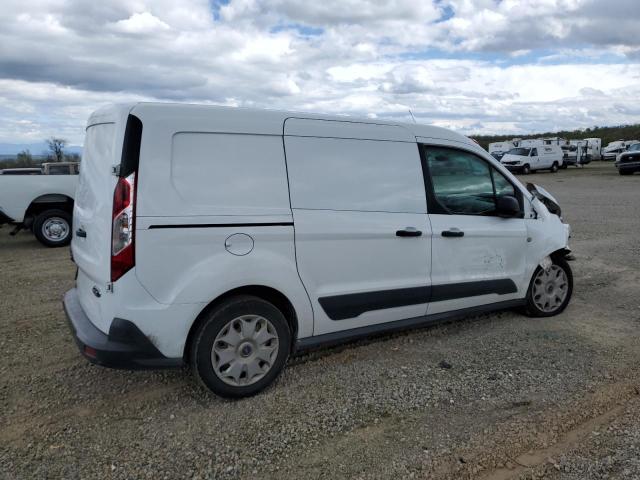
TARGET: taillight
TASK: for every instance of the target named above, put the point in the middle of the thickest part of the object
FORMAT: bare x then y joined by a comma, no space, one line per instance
122,227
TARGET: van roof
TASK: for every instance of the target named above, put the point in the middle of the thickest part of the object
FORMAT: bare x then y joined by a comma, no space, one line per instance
272,119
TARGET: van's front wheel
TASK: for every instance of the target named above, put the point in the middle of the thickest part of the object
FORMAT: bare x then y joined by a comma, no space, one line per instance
526,169
550,289
241,347
52,228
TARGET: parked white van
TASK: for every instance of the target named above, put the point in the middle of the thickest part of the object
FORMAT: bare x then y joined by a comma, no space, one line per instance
498,149
533,155
230,238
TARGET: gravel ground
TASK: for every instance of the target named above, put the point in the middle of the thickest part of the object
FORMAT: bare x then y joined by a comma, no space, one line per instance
553,398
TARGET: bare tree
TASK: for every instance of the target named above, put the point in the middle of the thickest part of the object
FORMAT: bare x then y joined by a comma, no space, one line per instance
56,148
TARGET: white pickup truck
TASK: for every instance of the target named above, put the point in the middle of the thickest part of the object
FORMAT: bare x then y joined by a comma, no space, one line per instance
42,203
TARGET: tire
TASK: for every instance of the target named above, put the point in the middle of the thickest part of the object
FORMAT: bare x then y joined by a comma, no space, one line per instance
625,172
227,322
52,228
526,170
536,304
554,167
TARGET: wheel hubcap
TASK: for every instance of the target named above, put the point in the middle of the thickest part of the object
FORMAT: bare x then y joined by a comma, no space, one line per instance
244,350
550,288
55,229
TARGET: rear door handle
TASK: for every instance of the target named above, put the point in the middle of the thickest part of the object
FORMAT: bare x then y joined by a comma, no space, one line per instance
408,232
453,232
81,233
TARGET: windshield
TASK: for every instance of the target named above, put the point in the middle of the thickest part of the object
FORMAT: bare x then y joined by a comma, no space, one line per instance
635,147
523,152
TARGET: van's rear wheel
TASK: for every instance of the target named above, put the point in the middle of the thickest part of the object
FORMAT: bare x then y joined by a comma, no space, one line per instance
554,167
550,289
52,228
241,347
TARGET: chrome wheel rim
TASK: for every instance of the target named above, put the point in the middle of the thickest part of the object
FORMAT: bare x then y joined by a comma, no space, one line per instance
550,288
244,350
55,229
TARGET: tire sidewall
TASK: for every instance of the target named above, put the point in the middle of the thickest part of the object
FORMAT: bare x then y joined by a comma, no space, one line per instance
42,218
218,319
526,170
554,167
531,308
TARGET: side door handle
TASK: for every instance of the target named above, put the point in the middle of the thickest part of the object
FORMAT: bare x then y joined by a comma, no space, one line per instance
452,232
81,233
408,232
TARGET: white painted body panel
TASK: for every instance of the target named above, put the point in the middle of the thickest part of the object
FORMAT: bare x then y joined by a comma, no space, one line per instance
18,191
491,249
212,168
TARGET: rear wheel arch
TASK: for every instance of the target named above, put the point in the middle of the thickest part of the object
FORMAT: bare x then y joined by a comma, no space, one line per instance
269,294
49,201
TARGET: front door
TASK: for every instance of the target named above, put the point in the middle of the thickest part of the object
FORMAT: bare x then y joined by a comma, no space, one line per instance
478,257
362,234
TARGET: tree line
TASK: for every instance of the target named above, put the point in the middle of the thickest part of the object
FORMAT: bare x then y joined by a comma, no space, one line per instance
55,153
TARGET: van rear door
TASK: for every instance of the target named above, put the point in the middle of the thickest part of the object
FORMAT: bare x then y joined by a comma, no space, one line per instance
92,213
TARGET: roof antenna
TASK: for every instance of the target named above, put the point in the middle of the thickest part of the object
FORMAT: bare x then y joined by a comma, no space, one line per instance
414,118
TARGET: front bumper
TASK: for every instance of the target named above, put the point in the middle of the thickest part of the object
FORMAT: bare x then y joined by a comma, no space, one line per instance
627,165
512,168
124,347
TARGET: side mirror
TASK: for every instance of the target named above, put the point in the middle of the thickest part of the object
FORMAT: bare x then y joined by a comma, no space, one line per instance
507,206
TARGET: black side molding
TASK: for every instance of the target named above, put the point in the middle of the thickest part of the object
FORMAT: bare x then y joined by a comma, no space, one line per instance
337,338
223,225
453,291
341,307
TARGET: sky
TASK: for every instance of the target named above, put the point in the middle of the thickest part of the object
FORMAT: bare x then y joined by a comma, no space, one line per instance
475,66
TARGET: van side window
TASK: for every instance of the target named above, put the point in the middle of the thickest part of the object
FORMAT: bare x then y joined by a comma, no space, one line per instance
355,175
502,185
464,184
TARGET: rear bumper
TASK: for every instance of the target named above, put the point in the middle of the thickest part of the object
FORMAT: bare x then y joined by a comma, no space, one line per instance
124,347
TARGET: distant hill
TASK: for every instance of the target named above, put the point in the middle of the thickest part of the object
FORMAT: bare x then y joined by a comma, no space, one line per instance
35,148
607,134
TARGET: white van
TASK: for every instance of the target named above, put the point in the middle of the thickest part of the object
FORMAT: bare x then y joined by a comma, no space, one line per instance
498,149
229,238
533,155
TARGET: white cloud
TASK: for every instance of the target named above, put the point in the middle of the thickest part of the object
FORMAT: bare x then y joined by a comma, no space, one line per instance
473,65
140,23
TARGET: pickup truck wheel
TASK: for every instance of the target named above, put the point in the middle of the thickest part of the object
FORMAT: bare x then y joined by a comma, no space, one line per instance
52,228
550,290
241,347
